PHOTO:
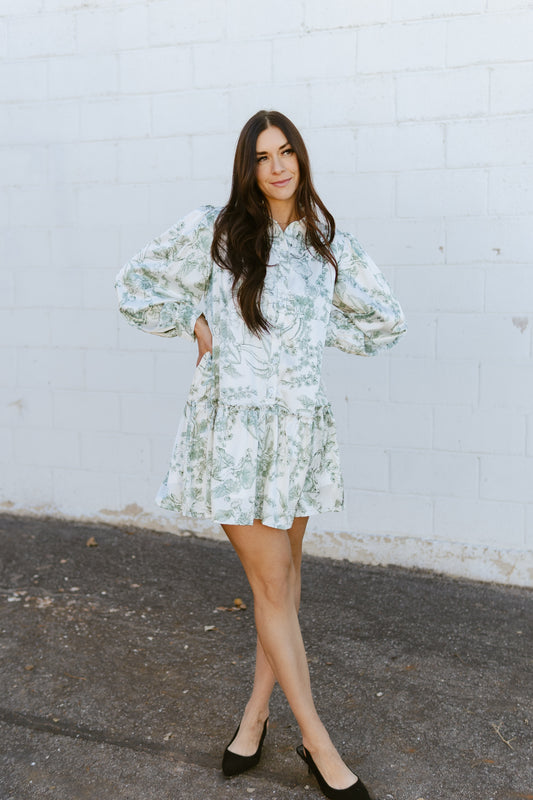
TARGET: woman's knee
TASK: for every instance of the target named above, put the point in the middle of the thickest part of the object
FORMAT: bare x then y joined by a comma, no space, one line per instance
275,585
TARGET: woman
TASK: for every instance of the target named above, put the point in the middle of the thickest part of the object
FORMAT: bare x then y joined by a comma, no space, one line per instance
263,285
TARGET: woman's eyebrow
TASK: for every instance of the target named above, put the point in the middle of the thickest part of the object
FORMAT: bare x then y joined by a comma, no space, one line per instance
265,152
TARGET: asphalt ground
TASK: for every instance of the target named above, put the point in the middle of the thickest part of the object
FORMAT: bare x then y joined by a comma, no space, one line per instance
122,677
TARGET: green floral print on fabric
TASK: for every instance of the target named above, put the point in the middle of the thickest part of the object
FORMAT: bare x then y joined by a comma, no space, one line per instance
257,436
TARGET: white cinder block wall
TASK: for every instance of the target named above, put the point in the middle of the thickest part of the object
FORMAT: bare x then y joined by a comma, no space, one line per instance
119,117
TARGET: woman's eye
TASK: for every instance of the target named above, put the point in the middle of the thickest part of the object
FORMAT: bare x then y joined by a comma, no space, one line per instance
289,151
261,158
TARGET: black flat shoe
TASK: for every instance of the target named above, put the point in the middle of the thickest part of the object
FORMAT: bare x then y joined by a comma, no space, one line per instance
357,791
234,764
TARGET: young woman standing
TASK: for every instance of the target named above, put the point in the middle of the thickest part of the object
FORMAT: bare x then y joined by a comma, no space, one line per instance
263,285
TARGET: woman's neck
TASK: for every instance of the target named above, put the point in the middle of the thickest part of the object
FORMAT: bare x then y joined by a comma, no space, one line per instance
284,215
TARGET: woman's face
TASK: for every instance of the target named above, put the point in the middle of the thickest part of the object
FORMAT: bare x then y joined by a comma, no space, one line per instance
277,170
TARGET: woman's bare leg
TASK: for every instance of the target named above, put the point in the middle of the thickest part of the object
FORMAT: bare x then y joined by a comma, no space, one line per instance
266,556
256,711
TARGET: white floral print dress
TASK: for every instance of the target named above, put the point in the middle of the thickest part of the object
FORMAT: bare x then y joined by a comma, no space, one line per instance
257,437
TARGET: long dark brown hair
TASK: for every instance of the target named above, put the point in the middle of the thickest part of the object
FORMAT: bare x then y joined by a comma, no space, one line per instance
243,231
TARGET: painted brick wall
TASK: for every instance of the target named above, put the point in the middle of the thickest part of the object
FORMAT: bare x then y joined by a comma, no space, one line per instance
117,118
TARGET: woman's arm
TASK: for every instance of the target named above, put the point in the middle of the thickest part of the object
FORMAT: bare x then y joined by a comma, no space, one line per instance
159,290
365,316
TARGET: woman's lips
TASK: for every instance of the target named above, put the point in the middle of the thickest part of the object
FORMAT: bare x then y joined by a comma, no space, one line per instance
281,183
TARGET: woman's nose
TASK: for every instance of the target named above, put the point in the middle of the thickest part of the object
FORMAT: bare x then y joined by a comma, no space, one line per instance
276,164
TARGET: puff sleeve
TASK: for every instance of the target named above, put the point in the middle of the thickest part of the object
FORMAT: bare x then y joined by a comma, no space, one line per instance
161,288
365,317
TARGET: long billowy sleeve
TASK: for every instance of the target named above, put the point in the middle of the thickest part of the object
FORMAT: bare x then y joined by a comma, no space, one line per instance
365,316
161,288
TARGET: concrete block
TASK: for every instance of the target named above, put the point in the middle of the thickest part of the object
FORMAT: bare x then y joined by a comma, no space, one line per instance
97,29
173,23
7,451
86,246
81,327
40,35
421,340
86,411
297,56
476,430
434,474
78,489
123,117
511,190
27,487
190,112
471,240
396,47
507,5
489,142
160,452
129,203
488,38
506,385
8,373
443,94
32,327
365,468
385,513
420,380
23,165
292,99
13,7
418,9
476,336
242,19
85,76
113,371
41,123
23,81
509,288
7,288
434,193
46,206
83,162
361,100
507,478
355,377
153,414
98,289
212,156
28,251
511,88
389,425
115,452
167,204
154,160
132,26
529,525
363,195
26,408
226,63
479,521
155,70
400,148
140,490
332,150
60,368
40,288
47,448
322,16
174,370
458,289
400,241
529,444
